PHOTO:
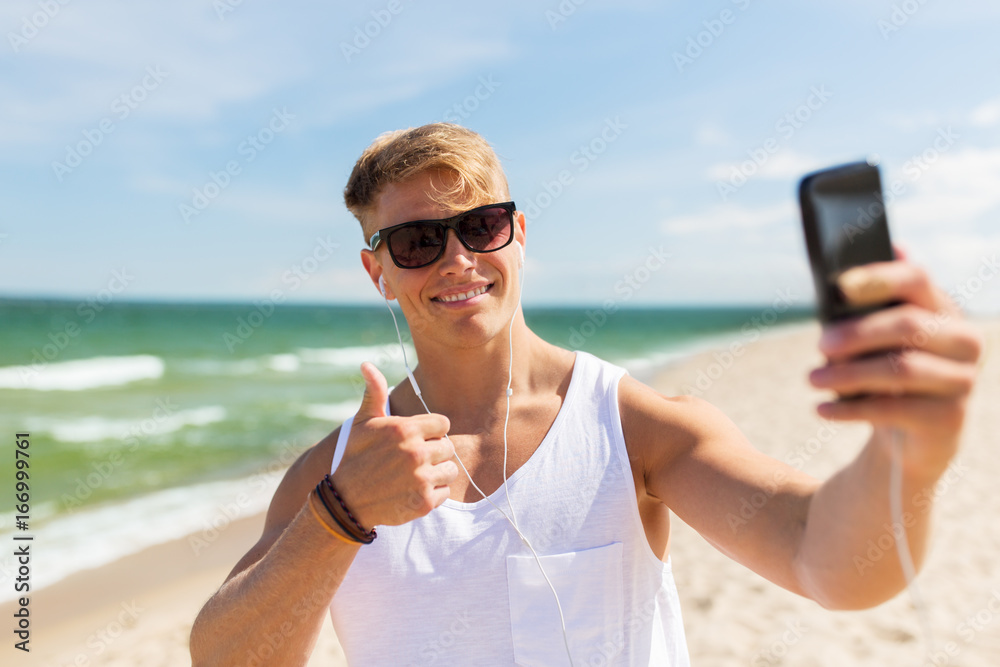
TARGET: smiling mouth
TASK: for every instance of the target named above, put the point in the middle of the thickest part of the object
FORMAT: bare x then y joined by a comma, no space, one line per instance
463,296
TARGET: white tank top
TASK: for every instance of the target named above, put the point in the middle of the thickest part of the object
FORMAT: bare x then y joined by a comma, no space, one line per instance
458,587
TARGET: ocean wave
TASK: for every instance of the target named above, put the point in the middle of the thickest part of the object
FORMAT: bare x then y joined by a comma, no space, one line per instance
81,374
352,357
330,412
342,359
97,429
93,537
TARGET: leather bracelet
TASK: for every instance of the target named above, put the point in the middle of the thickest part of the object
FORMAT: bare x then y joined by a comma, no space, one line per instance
329,528
339,516
368,536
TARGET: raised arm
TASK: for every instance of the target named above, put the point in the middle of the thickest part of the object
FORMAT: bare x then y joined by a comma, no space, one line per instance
273,603
271,606
808,537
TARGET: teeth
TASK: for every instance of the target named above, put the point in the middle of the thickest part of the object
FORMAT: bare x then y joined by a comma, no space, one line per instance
464,295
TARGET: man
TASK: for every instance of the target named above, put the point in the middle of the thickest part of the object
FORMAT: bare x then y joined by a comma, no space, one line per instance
593,460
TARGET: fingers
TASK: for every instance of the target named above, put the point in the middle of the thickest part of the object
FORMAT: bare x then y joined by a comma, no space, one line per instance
882,282
901,328
908,372
918,414
443,451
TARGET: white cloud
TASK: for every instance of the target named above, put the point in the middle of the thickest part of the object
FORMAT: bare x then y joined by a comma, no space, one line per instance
722,217
710,134
954,191
782,165
986,114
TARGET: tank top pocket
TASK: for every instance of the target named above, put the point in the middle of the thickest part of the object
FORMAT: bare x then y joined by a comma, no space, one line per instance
589,584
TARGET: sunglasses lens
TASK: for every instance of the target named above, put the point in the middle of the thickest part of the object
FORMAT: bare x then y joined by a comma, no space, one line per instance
416,245
486,229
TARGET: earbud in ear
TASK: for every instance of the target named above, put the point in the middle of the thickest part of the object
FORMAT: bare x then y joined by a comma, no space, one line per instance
520,249
381,286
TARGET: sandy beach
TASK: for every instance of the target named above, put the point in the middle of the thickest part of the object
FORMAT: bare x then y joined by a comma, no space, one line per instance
137,612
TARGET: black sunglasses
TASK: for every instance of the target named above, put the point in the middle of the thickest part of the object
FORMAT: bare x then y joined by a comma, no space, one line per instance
413,245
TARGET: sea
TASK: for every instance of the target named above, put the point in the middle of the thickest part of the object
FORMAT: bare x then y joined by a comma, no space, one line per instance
148,422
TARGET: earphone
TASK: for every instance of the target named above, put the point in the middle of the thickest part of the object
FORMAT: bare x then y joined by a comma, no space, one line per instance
509,392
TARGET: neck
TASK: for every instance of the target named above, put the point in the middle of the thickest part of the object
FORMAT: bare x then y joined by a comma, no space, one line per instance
469,385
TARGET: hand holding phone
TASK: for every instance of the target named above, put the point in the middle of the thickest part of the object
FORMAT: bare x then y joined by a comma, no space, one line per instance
843,216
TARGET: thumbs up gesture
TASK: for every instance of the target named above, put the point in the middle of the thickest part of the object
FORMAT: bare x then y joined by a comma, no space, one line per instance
394,469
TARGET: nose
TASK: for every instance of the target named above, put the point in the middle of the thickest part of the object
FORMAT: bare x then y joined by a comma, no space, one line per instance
457,258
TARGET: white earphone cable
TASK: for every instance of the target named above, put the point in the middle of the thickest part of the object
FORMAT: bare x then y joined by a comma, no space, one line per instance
902,542
512,522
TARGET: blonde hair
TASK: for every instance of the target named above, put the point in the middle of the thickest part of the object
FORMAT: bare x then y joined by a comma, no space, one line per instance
397,156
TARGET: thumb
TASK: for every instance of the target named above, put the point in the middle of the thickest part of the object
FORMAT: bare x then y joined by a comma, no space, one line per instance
376,393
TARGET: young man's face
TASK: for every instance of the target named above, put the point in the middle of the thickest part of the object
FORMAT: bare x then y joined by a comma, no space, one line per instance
464,298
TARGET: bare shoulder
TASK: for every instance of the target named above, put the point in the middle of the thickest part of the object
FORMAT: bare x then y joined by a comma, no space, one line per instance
683,419
660,429
290,496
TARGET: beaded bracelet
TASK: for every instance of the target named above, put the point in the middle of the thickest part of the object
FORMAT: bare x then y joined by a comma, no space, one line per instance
368,536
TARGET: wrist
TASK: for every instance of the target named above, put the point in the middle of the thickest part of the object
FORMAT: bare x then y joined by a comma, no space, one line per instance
922,462
341,514
327,521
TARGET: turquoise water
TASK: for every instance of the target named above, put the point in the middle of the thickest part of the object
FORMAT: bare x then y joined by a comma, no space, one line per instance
148,420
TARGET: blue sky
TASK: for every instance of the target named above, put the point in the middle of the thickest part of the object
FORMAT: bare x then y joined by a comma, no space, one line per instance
198,150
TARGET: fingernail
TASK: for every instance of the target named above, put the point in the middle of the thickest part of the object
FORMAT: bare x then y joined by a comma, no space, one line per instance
818,375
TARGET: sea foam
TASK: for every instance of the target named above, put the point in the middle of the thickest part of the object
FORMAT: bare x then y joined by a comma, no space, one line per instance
81,374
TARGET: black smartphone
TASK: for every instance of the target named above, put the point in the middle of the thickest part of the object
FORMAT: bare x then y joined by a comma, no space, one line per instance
843,216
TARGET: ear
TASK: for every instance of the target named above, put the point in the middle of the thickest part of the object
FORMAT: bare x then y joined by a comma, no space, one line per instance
520,231
374,269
